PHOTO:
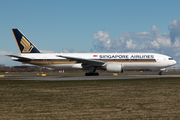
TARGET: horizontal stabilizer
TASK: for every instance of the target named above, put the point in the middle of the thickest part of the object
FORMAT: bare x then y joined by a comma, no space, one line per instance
19,57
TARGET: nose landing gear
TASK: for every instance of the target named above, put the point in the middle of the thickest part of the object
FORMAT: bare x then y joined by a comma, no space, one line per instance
161,72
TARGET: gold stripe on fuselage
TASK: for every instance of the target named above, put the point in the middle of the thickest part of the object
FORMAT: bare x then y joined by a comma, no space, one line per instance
51,62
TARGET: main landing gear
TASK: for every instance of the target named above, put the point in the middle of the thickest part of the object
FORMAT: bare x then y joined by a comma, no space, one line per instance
92,70
91,74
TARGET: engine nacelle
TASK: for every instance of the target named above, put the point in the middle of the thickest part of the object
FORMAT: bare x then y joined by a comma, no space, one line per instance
114,67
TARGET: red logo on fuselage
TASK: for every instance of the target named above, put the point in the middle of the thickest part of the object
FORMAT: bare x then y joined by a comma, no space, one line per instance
95,55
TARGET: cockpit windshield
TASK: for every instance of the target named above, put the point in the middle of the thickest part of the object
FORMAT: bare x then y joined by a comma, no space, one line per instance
170,58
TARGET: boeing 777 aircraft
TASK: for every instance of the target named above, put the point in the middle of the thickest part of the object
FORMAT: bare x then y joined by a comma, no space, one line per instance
112,62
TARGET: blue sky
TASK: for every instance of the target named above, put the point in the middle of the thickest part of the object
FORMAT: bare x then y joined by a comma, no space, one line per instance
92,26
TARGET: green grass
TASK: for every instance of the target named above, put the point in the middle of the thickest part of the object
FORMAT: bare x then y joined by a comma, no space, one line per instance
103,99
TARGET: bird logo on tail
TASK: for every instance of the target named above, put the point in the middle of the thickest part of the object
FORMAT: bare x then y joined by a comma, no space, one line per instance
27,46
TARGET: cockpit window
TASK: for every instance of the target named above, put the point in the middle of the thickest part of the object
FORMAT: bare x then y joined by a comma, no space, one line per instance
170,58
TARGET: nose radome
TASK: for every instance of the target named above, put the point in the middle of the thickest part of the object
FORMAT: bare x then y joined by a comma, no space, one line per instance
173,62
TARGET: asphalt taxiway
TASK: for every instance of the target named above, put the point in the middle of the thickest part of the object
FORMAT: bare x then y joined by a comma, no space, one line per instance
66,78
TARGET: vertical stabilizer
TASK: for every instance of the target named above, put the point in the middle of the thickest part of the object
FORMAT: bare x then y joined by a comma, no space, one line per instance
25,46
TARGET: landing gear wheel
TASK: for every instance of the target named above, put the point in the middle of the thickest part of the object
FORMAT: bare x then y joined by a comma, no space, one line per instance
86,74
160,73
91,74
96,74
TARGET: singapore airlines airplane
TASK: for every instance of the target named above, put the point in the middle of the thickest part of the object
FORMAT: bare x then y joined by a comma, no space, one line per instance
112,62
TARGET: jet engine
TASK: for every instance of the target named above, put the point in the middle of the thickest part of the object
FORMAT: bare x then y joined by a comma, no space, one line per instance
114,67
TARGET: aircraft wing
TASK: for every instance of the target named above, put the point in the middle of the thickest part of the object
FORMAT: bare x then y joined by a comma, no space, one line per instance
83,60
19,57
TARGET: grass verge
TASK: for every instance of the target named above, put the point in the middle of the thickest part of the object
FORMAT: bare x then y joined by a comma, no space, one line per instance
103,99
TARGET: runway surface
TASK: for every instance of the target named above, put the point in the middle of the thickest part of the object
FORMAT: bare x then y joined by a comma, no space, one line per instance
66,78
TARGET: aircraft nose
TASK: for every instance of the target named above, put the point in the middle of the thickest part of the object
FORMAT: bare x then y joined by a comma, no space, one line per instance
173,62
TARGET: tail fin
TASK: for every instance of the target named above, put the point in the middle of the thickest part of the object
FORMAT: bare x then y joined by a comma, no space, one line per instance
25,46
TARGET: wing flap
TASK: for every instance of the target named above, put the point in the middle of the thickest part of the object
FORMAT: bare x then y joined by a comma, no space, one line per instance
83,60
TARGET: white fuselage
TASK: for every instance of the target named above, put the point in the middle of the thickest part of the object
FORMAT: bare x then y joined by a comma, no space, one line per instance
128,60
